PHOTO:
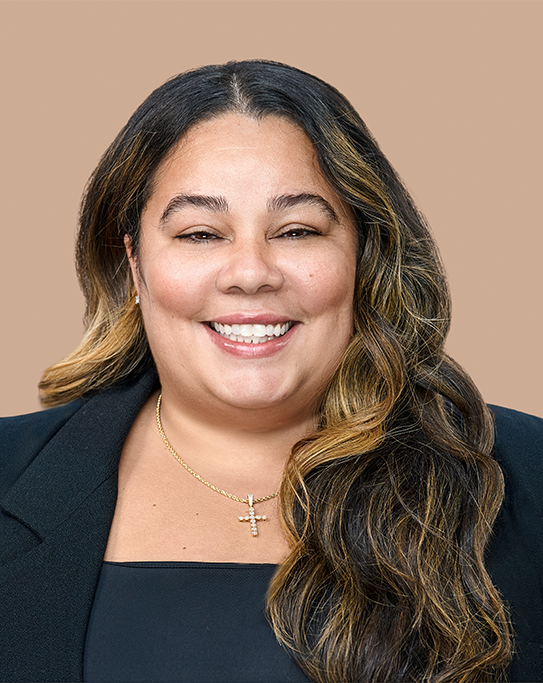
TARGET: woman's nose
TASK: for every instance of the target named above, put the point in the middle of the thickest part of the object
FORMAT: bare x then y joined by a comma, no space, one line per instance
250,268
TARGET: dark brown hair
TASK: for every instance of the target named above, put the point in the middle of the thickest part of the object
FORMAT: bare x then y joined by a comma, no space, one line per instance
389,505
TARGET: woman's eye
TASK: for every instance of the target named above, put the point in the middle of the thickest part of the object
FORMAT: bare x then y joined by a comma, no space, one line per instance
198,236
298,232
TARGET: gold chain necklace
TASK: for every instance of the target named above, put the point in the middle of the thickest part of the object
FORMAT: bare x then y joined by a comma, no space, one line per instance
252,517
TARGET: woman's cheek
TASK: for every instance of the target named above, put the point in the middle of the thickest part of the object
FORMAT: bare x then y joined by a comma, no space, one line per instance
179,288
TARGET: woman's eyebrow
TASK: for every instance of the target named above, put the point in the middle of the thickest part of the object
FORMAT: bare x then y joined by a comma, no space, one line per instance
220,205
215,204
287,201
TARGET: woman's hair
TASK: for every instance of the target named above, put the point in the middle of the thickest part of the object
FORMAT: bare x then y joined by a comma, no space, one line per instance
389,505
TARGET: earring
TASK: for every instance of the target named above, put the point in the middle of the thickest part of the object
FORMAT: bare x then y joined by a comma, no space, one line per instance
137,298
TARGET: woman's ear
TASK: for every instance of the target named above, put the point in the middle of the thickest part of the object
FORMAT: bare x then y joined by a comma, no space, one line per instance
132,262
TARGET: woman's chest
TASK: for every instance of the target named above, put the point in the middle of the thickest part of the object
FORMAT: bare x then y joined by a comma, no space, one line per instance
184,622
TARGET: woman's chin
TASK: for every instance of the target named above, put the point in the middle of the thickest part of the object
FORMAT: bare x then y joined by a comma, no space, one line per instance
264,403
254,401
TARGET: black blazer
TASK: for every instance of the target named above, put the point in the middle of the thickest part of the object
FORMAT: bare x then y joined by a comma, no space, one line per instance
58,488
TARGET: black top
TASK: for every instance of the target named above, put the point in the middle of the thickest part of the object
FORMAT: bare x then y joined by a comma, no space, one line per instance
184,622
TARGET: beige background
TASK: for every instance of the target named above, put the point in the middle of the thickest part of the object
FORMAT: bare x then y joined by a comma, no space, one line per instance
451,89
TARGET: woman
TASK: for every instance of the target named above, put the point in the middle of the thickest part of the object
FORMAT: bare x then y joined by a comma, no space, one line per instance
266,305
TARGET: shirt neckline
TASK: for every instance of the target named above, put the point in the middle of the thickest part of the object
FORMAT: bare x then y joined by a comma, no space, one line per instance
188,564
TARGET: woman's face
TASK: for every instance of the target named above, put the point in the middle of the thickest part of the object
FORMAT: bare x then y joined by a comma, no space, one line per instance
245,269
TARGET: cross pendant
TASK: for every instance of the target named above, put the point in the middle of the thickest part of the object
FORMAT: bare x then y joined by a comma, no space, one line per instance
252,517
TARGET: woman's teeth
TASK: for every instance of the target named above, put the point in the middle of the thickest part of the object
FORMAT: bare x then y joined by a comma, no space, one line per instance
251,334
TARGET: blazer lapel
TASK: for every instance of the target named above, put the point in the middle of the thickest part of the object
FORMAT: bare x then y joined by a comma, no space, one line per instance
66,498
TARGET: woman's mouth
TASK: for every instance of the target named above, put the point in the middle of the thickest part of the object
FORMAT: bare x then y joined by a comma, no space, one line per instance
251,334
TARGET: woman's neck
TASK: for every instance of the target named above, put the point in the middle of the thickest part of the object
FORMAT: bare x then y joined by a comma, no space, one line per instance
164,513
232,445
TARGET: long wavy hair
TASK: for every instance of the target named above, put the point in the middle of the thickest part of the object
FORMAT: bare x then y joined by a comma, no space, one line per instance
389,505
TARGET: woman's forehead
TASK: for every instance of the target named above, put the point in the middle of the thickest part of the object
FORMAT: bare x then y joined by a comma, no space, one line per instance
239,131
235,153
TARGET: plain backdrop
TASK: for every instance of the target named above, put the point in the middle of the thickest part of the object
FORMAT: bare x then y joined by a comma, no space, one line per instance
451,90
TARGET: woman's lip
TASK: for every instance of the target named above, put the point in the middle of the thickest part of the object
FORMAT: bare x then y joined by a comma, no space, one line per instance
244,350
251,319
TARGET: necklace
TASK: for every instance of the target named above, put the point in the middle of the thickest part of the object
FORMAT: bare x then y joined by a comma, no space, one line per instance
252,517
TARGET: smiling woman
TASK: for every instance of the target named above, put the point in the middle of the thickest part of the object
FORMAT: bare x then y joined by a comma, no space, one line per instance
266,305
242,230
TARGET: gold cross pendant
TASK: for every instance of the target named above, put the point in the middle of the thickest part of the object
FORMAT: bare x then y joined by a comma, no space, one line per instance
252,517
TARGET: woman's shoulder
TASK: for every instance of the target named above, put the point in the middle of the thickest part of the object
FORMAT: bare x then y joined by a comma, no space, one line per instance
107,414
514,557
35,428
23,436
518,450
512,421
519,442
